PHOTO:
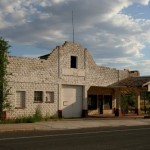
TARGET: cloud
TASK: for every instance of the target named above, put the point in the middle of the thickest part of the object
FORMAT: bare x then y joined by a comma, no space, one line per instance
126,64
100,25
116,63
142,66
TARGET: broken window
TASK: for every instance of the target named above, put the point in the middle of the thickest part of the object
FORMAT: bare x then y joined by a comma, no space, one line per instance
50,97
38,96
73,61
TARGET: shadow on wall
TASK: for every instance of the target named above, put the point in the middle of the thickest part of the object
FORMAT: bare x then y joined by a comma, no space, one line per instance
72,99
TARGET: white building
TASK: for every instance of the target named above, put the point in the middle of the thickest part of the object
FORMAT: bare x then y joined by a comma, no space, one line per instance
65,83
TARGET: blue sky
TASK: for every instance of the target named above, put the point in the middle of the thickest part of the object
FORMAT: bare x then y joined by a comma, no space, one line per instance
116,32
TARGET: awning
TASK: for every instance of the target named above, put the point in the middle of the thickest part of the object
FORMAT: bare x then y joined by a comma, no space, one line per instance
134,82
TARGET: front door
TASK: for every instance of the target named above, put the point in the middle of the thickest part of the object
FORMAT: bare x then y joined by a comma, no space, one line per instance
100,104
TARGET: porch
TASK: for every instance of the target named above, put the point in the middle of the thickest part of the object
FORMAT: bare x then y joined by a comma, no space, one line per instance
124,98
101,101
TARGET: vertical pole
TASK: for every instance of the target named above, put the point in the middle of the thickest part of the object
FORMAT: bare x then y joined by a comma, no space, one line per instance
85,101
137,109
72,27
118,112
144,102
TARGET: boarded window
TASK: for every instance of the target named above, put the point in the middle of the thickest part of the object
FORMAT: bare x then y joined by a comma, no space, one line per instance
50,97
73,62
20,99
38,96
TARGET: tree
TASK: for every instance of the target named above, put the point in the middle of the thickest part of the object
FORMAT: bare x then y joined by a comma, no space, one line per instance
4,91
128,100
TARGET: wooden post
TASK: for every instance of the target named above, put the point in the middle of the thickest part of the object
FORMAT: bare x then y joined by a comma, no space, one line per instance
137,108
118,112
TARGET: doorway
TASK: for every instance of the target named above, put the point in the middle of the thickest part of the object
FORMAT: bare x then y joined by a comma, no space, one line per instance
100,104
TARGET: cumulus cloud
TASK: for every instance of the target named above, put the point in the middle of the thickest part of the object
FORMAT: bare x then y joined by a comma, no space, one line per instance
100,25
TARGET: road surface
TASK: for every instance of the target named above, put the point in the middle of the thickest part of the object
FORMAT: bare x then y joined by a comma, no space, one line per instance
107,138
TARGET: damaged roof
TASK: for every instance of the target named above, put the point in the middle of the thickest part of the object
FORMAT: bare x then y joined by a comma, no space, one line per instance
132,82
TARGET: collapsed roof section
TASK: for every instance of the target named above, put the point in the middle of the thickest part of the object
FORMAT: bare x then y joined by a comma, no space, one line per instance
140,81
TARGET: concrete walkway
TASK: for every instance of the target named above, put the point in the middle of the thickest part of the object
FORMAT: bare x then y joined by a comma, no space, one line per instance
75,124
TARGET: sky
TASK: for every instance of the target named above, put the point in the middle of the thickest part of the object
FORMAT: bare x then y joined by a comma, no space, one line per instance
115,32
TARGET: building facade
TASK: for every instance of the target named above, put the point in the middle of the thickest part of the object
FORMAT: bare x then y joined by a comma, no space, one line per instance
65,83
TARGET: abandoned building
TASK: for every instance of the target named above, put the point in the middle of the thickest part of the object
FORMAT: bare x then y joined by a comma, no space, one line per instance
68,83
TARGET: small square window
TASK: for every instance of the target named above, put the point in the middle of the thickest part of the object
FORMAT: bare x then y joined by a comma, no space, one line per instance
38,96
49,97
73,62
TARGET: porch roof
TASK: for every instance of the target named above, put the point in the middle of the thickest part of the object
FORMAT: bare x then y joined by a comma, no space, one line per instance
132,82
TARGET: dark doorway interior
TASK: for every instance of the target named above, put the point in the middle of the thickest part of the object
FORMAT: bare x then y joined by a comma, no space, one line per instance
92,102
100,103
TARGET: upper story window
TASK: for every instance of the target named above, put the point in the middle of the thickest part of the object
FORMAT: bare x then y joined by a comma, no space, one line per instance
73,62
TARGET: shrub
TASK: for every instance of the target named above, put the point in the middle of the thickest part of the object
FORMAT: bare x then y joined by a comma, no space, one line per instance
47,117
26,119
38,115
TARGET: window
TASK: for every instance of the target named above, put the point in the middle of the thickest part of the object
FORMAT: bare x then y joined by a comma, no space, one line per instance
49,97
73,61
107,102
38,96
20,99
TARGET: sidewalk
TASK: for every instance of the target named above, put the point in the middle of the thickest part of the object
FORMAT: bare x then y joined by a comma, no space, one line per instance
75,124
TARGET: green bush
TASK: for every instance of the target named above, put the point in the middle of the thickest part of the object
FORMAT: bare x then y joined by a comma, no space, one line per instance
47,117
28,119
38,115
9,121
148,110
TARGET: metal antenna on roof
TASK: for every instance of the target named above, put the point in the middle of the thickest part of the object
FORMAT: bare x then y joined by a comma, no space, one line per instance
72,28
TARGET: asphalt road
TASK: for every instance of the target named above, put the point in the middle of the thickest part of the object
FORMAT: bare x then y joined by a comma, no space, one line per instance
115,138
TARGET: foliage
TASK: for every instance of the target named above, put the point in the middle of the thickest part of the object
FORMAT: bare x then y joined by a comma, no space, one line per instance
131,99
145,95
47,117
4,91
128,100
26,119
38,114
124,104
148,111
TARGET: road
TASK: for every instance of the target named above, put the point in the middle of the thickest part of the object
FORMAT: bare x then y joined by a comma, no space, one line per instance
110,138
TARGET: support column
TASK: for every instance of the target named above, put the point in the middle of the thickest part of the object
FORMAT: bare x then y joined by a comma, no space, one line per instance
137,108
118,112
85,101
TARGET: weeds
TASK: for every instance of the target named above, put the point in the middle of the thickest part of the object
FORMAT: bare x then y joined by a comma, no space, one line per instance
25,119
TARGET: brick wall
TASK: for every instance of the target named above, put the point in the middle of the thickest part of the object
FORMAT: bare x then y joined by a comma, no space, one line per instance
46,73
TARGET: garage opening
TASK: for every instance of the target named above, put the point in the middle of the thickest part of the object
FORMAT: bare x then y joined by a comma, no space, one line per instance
72,98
